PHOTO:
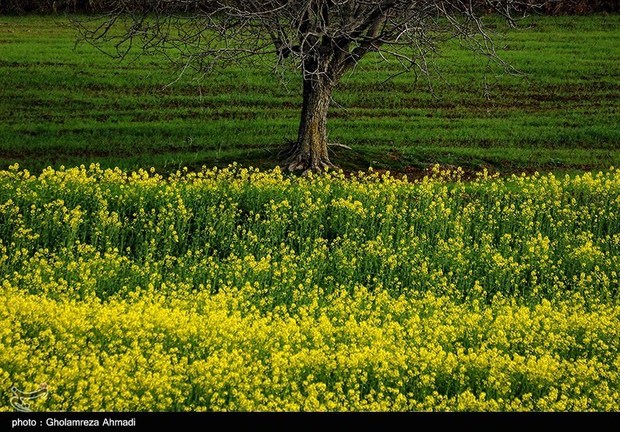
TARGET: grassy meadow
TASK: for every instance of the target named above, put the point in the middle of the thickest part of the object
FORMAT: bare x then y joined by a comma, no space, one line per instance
153,257
62,105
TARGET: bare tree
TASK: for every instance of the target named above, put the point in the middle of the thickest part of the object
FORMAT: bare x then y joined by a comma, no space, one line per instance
323,39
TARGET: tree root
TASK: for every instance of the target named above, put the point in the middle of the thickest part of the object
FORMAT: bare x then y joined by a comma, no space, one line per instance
306,164
339,145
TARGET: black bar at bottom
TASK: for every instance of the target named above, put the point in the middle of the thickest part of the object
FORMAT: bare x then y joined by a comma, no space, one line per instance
285,421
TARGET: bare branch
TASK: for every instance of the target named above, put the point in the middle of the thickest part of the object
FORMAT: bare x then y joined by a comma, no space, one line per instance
322,39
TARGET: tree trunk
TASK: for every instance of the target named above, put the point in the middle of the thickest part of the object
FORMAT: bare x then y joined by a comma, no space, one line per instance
310,150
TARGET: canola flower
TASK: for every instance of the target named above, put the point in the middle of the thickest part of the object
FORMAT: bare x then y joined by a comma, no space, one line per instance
236,289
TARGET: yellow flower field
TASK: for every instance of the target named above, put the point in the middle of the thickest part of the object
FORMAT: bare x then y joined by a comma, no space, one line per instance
237,289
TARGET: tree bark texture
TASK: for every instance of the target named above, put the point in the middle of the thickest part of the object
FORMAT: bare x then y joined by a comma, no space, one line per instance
310,150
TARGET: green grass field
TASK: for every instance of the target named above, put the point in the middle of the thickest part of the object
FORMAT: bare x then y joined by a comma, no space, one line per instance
60,105
143,284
